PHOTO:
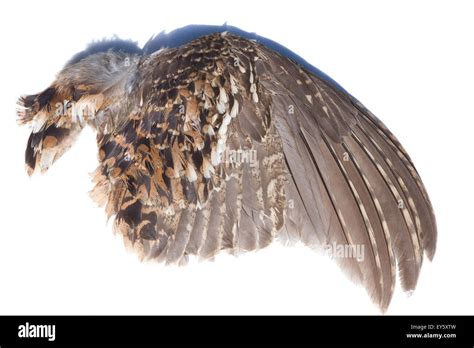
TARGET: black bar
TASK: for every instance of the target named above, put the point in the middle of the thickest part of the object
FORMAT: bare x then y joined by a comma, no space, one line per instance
213,330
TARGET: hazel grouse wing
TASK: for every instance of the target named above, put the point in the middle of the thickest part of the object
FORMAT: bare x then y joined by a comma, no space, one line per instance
222,143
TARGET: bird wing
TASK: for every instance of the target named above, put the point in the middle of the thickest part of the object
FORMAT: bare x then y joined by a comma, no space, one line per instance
231,145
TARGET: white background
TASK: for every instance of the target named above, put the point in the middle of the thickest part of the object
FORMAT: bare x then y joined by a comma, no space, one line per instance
410,62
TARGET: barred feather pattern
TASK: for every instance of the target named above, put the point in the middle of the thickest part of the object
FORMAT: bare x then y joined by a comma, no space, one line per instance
223,144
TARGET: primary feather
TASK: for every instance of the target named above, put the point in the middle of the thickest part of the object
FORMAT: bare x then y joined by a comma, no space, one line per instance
222,143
